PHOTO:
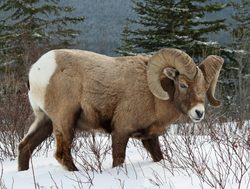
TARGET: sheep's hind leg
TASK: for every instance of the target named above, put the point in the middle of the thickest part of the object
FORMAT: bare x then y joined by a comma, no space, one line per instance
40,129
152,145
64,134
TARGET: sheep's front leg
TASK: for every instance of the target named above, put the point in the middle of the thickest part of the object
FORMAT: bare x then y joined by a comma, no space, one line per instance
152,145
119,144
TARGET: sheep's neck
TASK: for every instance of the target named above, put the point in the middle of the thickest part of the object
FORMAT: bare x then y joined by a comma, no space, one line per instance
166,112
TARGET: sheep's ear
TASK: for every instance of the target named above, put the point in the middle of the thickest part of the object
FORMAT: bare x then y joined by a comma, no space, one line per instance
171,73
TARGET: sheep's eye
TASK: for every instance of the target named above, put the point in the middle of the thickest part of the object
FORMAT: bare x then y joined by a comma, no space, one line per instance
183,86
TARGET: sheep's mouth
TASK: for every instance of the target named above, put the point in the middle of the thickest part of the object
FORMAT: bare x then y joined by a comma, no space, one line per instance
195,119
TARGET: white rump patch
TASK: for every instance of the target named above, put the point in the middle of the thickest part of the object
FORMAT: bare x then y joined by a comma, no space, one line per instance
39,77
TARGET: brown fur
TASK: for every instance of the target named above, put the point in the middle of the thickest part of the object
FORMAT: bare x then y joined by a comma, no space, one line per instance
89,91
34,139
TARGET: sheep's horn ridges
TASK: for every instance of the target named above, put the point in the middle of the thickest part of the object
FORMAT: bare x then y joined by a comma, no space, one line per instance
168,57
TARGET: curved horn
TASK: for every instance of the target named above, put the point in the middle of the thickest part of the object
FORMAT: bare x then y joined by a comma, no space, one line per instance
211,67
168,57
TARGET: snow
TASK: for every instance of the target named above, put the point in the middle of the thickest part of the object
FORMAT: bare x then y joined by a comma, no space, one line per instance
213,159
243,52
35,34
175,9
208,43
137,173
182,37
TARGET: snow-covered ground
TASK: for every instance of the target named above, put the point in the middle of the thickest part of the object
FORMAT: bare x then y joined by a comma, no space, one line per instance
190,163
137,173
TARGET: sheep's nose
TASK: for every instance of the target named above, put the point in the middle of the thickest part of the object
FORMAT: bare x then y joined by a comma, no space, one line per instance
199,113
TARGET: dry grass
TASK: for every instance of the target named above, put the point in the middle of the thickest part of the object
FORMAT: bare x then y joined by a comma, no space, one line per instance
14,114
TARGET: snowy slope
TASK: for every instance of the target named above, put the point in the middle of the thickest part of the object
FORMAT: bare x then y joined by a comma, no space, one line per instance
137,173
191,162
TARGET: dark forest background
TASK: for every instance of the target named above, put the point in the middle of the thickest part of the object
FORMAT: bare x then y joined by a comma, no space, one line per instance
105,22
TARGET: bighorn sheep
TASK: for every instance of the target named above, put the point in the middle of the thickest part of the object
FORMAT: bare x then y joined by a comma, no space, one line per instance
134,96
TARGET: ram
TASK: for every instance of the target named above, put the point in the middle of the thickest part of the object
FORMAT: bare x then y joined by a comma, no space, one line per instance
133,96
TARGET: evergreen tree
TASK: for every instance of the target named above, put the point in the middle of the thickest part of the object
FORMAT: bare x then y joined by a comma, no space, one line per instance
127,44
29,28
237,74
171,23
